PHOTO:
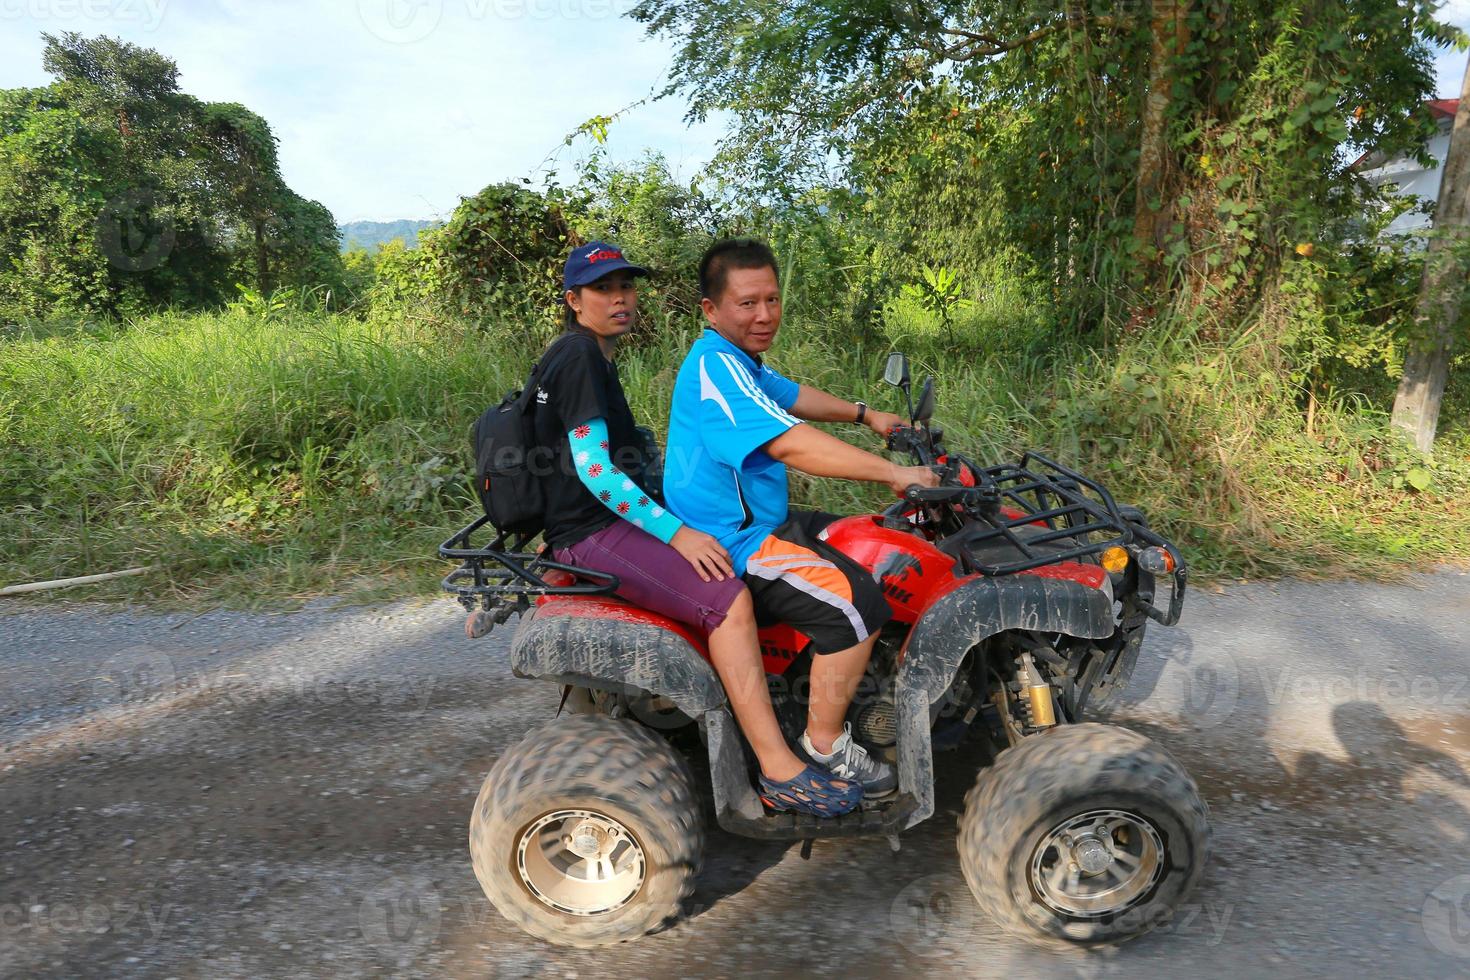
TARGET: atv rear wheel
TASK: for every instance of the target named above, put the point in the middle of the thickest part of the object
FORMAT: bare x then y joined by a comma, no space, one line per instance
1083,834
587,832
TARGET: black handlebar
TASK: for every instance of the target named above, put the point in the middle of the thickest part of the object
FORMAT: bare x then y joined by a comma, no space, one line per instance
947,492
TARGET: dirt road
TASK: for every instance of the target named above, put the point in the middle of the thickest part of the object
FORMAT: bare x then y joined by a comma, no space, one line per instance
251,795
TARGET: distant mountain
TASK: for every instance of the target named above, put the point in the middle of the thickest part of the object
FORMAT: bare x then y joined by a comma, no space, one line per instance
373,235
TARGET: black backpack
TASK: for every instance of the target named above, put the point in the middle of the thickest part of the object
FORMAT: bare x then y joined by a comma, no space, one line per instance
503,440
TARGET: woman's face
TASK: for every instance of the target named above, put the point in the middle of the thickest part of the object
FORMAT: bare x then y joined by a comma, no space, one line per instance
609,306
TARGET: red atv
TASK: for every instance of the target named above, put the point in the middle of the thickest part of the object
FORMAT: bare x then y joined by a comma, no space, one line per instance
1020,593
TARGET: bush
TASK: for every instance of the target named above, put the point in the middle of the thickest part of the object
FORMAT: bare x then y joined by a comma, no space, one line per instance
301,452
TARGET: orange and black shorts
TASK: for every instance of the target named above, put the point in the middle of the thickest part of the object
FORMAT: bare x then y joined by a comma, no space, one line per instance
797,578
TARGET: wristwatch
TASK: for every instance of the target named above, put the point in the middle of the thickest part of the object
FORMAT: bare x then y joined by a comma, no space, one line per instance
862,412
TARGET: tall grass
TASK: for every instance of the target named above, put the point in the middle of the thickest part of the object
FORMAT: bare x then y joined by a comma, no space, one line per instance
240,454
302,454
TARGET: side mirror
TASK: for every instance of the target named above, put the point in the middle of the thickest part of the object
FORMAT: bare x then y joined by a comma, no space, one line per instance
924,411
896,371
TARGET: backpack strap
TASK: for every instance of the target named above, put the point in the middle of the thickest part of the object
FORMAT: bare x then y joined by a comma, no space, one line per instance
535,374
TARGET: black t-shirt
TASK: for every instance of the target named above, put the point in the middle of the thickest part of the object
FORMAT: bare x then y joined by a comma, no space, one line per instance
575,384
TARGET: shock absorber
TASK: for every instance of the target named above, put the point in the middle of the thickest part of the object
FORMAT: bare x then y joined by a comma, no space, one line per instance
1043,712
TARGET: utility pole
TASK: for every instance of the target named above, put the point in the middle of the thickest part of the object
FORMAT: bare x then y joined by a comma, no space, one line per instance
1446,269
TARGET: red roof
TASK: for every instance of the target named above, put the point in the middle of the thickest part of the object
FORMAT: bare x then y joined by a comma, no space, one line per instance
1440,108
1444,108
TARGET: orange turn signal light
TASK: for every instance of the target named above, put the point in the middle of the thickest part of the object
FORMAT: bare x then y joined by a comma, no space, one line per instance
1115,559
1156,561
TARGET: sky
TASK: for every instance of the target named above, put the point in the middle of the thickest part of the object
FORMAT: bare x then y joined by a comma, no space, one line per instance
391,109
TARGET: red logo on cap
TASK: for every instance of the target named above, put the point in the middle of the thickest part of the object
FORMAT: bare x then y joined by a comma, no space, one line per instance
606,253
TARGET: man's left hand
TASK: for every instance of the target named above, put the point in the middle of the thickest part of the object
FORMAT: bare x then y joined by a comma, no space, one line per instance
882,422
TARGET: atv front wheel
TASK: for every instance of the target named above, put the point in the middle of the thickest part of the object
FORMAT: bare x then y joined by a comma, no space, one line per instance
1083,834
587,832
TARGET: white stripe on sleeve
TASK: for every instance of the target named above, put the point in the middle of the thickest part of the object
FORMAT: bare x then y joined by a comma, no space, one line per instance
709,391
752,391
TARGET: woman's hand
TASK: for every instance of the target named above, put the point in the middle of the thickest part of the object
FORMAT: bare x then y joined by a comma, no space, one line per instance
703,552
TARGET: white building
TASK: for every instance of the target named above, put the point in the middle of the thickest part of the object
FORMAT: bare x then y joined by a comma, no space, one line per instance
1405,176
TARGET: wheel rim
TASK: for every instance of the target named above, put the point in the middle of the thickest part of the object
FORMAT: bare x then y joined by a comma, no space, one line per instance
580,862
1097,863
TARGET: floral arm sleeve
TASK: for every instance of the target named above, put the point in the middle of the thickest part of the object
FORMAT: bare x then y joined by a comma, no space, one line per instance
607,483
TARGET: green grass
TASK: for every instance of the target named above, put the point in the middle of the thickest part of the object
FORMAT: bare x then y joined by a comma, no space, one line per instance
273,460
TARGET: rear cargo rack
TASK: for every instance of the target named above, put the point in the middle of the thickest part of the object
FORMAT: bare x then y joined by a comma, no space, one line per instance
505,574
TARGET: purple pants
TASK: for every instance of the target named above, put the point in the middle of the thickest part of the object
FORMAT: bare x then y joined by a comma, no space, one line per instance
655,576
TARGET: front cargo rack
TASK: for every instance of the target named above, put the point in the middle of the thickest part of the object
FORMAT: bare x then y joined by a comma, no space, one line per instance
1037,512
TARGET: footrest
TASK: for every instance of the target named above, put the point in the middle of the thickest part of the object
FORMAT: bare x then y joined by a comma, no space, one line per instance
878,818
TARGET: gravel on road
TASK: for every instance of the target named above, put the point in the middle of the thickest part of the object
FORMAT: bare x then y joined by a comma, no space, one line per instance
235,794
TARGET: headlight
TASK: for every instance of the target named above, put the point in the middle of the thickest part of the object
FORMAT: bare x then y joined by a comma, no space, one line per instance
1156,561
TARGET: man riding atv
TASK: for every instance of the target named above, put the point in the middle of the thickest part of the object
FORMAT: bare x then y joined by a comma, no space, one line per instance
734,427
1017,597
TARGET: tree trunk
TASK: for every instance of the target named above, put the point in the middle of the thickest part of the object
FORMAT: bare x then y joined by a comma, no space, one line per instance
262,260
1170,35
1416,407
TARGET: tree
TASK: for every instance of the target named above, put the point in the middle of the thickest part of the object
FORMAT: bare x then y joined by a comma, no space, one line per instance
501,254
1446,272
1169,37
242,159
119,192
1203,141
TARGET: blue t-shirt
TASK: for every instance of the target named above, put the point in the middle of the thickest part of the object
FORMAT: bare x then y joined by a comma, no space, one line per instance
717,477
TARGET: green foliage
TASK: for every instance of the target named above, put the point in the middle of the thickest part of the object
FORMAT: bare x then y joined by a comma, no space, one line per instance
1228,369
661,224
287,451
291,453
499,256
119,193
359,273
502,252
939,294
255,306
964,125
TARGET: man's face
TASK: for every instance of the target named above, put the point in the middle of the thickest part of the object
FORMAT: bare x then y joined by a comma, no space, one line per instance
748,312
